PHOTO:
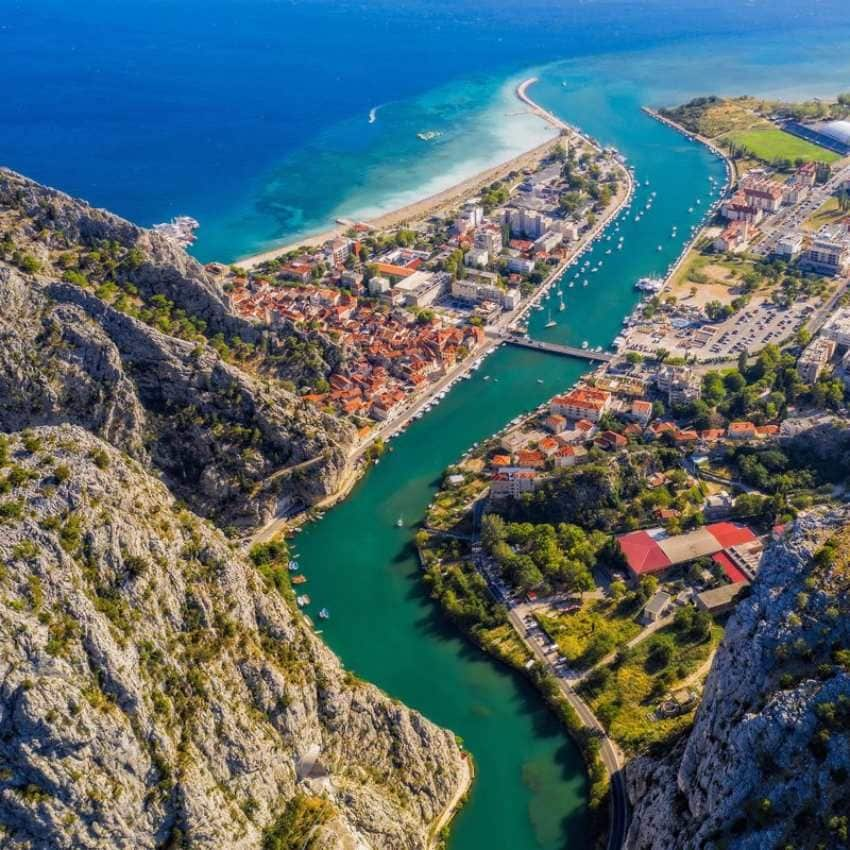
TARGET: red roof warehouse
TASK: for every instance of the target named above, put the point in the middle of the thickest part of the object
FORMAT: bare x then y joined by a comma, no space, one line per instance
653,551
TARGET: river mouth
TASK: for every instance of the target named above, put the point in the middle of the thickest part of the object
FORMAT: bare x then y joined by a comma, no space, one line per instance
530,789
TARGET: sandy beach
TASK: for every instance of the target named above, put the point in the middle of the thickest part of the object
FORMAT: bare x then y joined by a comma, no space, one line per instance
438,204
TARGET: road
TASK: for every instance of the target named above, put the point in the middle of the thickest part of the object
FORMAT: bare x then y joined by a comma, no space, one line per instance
612,758
789,221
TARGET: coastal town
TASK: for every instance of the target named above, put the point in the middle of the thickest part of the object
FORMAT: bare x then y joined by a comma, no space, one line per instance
408,306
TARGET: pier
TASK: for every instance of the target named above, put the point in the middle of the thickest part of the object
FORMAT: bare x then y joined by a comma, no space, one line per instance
563,350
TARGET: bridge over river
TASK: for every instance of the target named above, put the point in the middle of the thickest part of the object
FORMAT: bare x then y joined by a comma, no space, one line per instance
554,348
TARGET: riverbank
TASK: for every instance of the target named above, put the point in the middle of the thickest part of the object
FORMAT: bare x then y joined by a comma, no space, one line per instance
602,760
730,179
439,830
433,205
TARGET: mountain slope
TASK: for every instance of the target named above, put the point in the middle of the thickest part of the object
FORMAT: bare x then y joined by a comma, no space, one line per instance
117,329
157,691
767,763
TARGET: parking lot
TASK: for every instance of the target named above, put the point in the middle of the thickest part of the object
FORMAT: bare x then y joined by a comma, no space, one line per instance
758,324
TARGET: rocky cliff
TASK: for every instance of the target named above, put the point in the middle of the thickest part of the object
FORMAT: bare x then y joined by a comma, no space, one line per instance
157,690
767,763
115,328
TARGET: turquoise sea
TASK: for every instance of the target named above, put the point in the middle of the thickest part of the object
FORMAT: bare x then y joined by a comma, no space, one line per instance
253,116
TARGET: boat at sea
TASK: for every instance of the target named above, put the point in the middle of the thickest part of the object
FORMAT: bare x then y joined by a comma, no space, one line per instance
584,345
649,284
324,614
429,135
302,601
551,322
399,522
300,579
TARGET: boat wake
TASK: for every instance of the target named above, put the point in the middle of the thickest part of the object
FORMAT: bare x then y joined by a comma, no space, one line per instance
373,113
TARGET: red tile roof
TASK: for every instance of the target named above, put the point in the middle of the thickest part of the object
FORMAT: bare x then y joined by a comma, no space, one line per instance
729,534
732,572
643,554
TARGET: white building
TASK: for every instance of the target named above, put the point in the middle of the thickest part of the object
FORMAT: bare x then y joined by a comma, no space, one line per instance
477,258
338,251
511,298
527,223
829,253
476,291
378,285
488,238
569,229
548,242
815,359
838,328
513,482
471,215
788,247
520,266
423,288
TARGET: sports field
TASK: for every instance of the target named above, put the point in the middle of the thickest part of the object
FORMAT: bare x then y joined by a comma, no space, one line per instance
770,144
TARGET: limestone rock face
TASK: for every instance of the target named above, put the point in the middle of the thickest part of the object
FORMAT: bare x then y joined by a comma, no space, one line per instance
157,691
115,328
767,762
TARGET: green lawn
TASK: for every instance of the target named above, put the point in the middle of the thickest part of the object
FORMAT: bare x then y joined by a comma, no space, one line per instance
828,213
586,636
770,143
624,695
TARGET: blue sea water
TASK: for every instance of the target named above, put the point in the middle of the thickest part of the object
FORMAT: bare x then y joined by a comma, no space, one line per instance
253,115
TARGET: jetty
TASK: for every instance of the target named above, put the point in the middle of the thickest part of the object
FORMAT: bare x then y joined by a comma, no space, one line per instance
555,348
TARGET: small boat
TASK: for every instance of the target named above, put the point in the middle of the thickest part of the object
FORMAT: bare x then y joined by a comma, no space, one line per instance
302,600
562,306
399,522
324,614
551,323
659,248
429,135
299,579
584,345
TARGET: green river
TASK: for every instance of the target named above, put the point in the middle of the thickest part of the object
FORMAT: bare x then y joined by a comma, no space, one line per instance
530,790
